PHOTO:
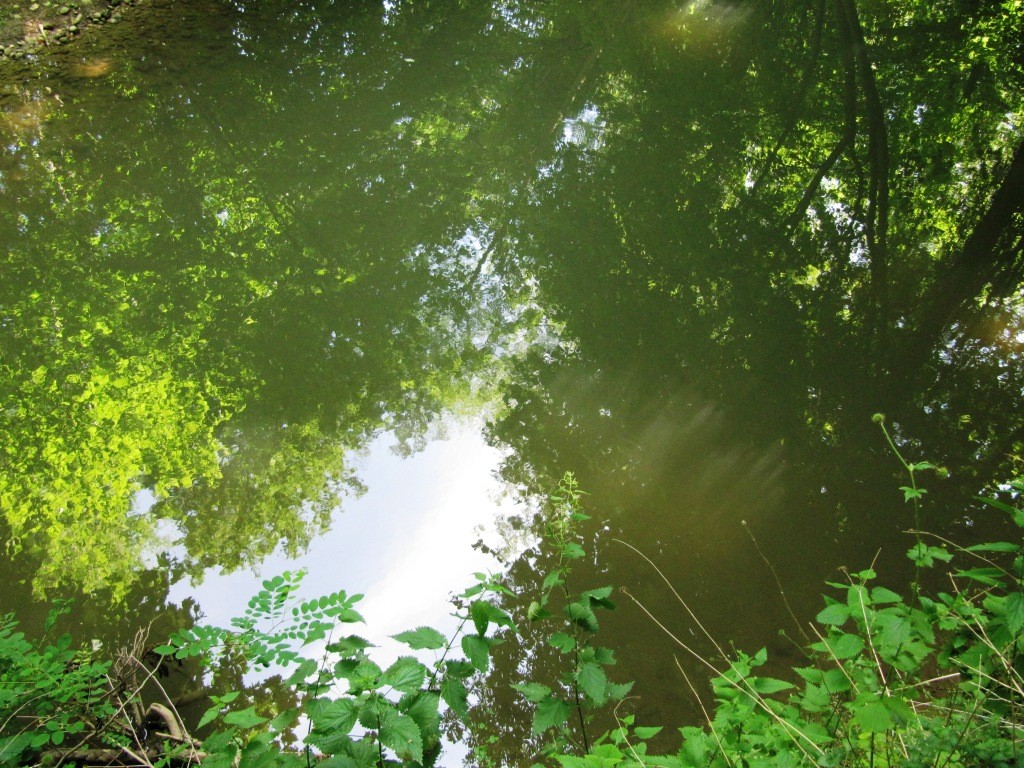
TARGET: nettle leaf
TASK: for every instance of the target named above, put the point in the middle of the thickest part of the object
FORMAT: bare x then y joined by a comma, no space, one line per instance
835,615
534,692
646,732
552,580
402,734
478,650
592,681
405,675
551,713
573,551
873,717
1014,612
599,597
767,685
350,645
881,595
455,695
376,712
582,614
536,612
563,642
618,691
460,669
484,613
844,646
336,717
246,718
422,639
423,708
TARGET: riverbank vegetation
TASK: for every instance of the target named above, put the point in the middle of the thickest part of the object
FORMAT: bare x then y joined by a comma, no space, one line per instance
888,678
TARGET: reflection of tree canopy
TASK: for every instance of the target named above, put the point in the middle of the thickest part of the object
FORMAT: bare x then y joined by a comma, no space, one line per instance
333,224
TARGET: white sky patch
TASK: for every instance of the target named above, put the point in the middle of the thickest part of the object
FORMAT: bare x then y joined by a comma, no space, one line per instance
406,544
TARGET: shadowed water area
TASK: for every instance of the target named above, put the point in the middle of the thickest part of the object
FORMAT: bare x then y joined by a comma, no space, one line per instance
351,286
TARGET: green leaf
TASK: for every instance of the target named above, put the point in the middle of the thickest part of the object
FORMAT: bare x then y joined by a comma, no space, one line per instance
592,681
478,650
552,580
994,546
336,717
456,696
836,615
1014,608
536,612
349,645
402,734
534,692
873,717
563,642
844,646
1017,515
573,551
405,675
422,638
599,597
646,732
618,691
246,718
989,576
423,708
478,610
881,596
912,493
551,713
582,614
767,685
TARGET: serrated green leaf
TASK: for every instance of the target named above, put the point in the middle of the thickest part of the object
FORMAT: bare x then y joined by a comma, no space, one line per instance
599,597
835,615
592,682
405,675
551,713
402,735
563,642
478,650
245,718
536,612
337,717
769,685
422,639
881,596
534,692
1014,608
423,707
646,732
873,717
845,646
573,551
455,695
582,614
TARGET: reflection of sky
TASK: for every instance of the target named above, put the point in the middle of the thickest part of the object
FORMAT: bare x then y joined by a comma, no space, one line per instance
406,543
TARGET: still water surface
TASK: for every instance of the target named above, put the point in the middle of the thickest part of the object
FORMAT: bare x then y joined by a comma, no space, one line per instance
348,287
